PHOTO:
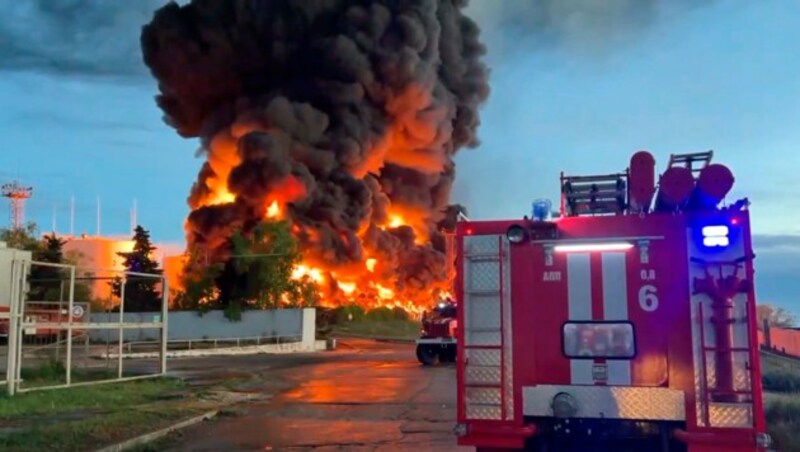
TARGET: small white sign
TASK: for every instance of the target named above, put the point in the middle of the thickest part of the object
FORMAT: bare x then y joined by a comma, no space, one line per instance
552,276
77,311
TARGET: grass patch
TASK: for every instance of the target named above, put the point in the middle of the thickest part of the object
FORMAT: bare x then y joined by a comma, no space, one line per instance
781,381
94,432
99,397
783,422
54,373
390,329
88,417
382,322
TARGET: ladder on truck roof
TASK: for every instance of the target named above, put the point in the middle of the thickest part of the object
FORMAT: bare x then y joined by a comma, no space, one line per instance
703,159
593,195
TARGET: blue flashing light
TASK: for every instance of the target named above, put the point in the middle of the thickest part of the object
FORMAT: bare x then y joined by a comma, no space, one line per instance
715,231
541,210
716,236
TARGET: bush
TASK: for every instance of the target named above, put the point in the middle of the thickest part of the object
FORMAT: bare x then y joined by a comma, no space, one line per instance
51,371
783,422
400,314
382,314
781,381
344,313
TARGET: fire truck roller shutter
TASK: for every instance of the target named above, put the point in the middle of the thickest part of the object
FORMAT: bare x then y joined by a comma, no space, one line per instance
597,290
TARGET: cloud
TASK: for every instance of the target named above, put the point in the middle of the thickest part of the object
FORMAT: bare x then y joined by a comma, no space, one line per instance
787,244
584,26
777,268
87,37
84,120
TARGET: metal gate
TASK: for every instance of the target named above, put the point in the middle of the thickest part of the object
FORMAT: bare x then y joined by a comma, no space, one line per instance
9,323
69,319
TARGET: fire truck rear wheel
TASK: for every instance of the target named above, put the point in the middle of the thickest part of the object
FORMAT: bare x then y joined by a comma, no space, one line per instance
427,354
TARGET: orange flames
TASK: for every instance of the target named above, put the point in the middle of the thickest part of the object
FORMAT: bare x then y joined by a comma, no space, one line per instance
361,285
368,282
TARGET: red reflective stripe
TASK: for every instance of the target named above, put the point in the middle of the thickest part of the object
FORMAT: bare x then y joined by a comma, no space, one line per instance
596,263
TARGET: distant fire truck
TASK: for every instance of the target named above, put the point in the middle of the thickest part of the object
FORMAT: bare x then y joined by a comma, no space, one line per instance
438,339
626,323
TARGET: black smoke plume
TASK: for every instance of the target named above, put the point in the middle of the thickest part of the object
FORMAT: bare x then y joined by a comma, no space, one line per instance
346,112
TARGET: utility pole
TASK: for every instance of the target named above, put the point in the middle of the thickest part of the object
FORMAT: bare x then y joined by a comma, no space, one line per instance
98,215
72,216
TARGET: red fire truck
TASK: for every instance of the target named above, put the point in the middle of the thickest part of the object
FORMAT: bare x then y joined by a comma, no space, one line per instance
626,323
44,312
438,339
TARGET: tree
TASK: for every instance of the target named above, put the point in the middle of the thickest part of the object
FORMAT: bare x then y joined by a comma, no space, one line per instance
256,274
777,316
21,238
141,294
199,288
46,283
83,290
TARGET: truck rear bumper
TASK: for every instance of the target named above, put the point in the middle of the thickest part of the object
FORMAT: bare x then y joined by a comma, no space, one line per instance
511,437
436,341
732,440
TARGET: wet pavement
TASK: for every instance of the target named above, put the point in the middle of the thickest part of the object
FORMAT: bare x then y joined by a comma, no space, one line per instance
366,396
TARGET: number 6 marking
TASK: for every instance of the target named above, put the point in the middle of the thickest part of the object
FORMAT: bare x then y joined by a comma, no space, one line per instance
648,299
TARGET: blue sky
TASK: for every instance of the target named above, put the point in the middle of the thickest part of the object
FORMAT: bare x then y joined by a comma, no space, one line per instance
78,118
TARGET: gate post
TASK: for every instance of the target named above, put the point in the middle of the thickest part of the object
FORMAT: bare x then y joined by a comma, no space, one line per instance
14,316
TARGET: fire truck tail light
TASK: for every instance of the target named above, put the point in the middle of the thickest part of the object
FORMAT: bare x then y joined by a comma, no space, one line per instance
621,246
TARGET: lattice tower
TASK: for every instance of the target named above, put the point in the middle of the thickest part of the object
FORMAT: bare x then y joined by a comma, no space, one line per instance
17,194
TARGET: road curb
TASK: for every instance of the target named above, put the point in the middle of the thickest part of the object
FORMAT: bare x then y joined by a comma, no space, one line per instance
265,349
158,434
376,338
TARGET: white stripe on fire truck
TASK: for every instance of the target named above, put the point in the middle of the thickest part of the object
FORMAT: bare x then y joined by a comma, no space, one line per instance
579,296
615,307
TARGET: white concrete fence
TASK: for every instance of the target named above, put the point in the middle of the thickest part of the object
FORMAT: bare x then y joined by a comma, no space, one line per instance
273,331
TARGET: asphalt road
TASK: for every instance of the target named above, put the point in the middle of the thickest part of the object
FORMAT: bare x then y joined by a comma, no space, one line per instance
365,396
